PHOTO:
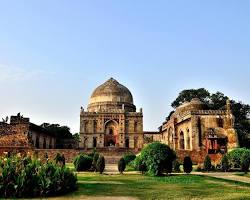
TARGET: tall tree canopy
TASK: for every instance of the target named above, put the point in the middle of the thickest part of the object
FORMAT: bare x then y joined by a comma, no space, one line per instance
62,132
215,101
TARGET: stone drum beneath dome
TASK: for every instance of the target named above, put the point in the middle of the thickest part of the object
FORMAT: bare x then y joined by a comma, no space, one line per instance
111,119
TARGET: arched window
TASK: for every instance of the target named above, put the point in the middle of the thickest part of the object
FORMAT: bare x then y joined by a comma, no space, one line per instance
94,142
44,143
135,127
127,143
86,126
182,141
95,127
37,142
188,139
50,143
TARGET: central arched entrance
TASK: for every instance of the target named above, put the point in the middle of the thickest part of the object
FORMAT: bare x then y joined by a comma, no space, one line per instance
111,134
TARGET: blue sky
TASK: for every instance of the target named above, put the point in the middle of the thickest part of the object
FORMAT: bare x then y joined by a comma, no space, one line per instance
53,53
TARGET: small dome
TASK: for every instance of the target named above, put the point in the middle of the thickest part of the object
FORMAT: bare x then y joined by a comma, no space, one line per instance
109,96
194,104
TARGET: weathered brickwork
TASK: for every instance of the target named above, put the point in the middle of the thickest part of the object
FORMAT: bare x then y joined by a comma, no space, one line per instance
21,133
194,131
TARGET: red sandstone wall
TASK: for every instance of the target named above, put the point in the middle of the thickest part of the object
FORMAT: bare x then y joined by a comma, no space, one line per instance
197,156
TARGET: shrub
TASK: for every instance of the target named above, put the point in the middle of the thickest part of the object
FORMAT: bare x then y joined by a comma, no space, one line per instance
235,156
187,165
158,158
207,163
121,165
60,159
139,165
94,163
82,162
177,165
100,164
245,162
22,177
129,158
225,163
199,168
92,153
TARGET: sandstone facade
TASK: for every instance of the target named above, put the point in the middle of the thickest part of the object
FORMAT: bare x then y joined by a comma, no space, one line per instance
193,130
111,119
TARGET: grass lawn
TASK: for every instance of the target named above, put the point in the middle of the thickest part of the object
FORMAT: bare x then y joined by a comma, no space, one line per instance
145,187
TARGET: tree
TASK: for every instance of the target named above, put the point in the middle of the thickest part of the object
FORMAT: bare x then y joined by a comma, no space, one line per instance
129,157
157,157
82,162
139,164
177,165
121,165
95,159
245,161
188,95
187,165
207,163
100,165
225,166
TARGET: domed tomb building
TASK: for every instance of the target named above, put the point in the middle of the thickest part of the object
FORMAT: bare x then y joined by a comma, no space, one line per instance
196,131
111,119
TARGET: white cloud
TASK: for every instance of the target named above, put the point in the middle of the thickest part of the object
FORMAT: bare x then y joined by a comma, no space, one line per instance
9,73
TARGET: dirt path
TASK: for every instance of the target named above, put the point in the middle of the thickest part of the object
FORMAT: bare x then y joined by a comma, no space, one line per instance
225,175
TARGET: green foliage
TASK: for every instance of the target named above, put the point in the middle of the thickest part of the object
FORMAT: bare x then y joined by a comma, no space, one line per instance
235,156
94,163
57,130
207,163
245,161
187,165
121,165
129,157
158,158
76,137
225,166
139,165
82,162
25,177
176,166
60,159
100,165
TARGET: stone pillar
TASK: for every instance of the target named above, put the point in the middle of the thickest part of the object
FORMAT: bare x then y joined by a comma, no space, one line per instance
195,132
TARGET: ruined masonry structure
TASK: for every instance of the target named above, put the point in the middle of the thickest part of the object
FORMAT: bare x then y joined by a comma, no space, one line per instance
193,130
111,119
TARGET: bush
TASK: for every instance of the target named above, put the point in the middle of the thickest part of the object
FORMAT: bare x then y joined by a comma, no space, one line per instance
100,164
177,165
94,163
225,163
207,163
158,158
139,165
187,165
129,158
199,168
82,162
60,159
235,156
245,162
23,177
121,165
